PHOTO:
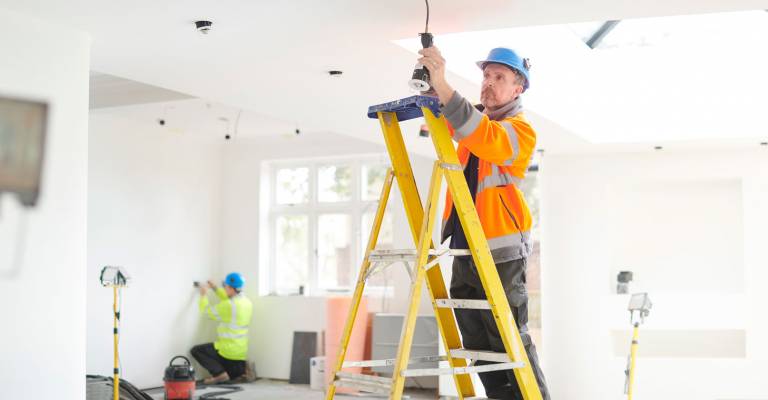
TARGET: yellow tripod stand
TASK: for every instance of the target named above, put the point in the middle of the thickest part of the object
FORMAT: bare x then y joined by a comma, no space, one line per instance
641,304
425,258
116,278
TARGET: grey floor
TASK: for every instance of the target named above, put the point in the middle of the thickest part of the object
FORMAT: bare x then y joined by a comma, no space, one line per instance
277,390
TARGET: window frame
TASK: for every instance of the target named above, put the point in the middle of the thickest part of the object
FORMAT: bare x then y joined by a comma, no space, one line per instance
356,207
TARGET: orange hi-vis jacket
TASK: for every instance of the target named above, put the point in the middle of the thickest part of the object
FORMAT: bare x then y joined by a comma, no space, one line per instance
504,142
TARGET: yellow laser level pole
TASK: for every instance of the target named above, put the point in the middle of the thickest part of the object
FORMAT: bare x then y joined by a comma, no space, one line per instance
632,356
641,304
116,278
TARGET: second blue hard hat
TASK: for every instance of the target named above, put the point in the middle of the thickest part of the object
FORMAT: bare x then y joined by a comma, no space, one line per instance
234,280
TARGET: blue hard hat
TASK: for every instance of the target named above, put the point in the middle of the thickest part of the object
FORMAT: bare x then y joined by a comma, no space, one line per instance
234,280
508,57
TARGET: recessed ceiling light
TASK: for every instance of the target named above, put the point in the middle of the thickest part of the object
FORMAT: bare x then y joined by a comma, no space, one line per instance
335,73
657,147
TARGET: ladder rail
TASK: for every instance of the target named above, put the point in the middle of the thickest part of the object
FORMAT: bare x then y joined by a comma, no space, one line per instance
360,286
409,323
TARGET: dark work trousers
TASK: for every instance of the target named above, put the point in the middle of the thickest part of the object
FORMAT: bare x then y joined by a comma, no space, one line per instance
211,360
478,327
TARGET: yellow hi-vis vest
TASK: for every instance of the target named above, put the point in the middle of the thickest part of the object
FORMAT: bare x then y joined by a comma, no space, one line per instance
234,317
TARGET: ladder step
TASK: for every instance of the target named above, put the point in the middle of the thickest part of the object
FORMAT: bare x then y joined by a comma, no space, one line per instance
410,254
368,383
391,361
480,355
462,370
460,303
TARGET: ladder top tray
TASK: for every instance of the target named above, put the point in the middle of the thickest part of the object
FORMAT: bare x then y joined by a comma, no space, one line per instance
407,108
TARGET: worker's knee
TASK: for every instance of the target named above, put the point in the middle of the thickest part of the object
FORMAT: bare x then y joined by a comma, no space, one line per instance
517,294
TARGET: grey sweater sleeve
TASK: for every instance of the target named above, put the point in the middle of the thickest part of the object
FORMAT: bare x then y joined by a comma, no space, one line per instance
462,115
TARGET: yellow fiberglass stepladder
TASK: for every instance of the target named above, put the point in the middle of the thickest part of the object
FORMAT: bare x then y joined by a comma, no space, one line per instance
425,259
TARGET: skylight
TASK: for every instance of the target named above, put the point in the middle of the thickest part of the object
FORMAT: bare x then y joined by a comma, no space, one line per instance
648,80
676,30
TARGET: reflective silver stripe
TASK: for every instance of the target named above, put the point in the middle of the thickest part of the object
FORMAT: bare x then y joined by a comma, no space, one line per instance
512,134
232,335
468,127
232,324
497,179
233,314
513,239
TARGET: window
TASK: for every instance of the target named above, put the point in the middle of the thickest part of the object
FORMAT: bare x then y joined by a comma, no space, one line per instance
321,212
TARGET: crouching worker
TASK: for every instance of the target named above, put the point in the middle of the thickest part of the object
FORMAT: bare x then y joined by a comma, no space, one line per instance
225,358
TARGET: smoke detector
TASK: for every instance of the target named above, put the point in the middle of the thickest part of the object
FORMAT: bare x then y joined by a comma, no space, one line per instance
203,26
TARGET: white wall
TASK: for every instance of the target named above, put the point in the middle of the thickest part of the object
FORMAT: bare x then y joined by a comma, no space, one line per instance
691,225
154,208
43,329
271,342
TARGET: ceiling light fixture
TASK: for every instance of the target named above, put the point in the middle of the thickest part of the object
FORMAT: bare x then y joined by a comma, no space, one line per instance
420,78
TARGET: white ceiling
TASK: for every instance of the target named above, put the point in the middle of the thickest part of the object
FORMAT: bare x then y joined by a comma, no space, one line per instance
111,91
204,119
271,57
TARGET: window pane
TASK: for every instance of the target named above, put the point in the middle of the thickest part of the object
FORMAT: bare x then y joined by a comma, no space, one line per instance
334,183
292,261
292,185
373,179
333,251
385,241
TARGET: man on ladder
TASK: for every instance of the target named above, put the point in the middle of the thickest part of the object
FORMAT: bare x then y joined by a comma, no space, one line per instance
495,145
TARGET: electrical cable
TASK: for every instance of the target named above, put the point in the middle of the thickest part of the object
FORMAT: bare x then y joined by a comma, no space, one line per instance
419,81
237,122
227,389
